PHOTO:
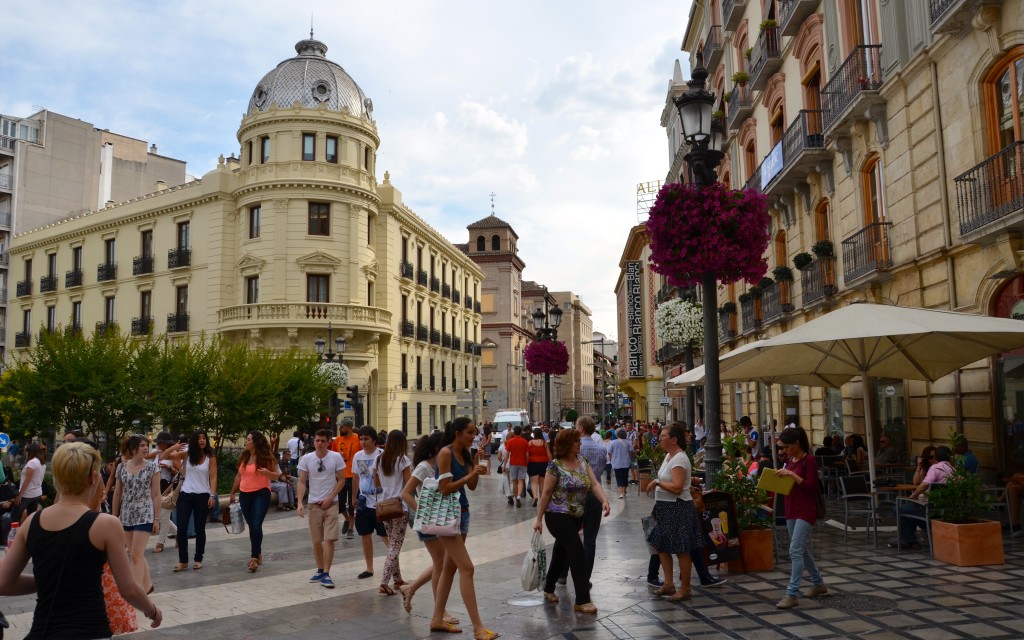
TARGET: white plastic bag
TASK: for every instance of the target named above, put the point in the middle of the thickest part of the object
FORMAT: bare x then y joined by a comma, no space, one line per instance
535,564
506,486
237,521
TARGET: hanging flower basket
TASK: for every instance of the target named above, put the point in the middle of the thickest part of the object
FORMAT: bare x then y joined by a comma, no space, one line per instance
679,322
547,356
335,373
711,229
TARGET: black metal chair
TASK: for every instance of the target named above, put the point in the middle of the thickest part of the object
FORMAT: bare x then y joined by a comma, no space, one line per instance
779,520
924,517
858,501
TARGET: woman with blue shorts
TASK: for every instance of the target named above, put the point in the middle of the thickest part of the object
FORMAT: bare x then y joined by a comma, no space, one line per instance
137,503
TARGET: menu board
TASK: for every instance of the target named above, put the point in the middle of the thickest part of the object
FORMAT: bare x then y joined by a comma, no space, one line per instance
721,528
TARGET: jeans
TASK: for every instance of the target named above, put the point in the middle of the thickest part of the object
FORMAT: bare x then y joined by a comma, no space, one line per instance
254,505
591,525
568,549
800,556
908,527
189,504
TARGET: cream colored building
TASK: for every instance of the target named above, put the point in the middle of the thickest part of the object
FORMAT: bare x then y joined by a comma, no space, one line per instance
894,131
273,247
577,330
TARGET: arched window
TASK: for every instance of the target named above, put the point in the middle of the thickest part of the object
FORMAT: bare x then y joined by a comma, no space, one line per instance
741,39
821,225
859,23
495,243
775,101
748,143
780,247
481,243
1004,101
873,190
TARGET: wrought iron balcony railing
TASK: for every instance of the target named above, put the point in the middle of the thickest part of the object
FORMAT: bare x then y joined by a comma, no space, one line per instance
177,322
446,340
405,380
180,257
456,343
435,336
446,290
818,280
751,315
435,284
142,265
765,57
726,327
476,306
469,302
741,105
421,277
408,329
419,382
732,13
992,189
142,326
73,278
103,326
24,288
713,48
793,13
422,333
22,339
106,271
432,383
406,270
47,284
456,296
867,251
860,72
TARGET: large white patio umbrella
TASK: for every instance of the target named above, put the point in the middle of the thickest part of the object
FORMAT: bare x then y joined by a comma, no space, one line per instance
873,340
695,377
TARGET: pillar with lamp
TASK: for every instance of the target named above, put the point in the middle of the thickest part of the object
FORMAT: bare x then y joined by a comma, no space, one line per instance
703,233
333,360
546,354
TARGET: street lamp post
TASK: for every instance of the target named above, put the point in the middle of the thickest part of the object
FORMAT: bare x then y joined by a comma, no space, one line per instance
546,325
329,356
705,134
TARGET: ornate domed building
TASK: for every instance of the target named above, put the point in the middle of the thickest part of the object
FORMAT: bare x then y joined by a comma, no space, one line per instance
291,239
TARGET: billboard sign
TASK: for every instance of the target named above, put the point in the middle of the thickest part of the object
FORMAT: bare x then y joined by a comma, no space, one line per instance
635,319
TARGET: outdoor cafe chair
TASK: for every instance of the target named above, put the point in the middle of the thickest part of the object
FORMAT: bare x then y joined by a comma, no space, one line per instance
924,518
779,521
858,501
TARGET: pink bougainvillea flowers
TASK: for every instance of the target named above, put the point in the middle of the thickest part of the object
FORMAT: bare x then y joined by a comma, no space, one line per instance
547,356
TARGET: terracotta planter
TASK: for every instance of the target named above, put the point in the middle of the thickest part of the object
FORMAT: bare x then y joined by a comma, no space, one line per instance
968,545
758,552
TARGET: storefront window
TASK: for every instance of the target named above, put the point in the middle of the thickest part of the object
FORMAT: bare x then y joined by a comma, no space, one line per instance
890,412
1009,380
834,412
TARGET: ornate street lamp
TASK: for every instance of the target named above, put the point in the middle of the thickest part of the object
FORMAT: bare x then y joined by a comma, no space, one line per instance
705,135
339,343
545,324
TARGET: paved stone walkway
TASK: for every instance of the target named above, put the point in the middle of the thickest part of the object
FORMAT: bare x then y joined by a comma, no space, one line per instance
877,593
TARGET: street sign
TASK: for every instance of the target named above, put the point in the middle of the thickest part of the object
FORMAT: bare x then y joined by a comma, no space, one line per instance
348,405
4,440
666,401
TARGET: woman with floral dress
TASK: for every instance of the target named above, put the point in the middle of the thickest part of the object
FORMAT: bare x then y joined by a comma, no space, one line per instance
567,482
137,503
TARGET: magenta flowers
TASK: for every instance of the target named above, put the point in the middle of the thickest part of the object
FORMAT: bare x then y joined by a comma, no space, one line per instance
711,229
547,356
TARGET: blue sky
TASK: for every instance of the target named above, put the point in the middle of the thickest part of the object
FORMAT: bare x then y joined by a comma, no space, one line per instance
552,105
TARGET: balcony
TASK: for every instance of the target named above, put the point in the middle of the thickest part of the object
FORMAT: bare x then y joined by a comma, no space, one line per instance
750,311
5,217
177,322
990,195
304,315
106,271
803,149
446,290
435,284
178,258
73,278
422,333
732,13
446,340
419,382
456,296
405,380
792,14
818,280
5,182
22,340
741,105
432,383
5,259
73,329
776,300
406,270
469,347
444,383
867,252
476,306
667,353
435,336
408,329
953,16
726,327
765,57
47,284
103,326
754,182
142,265
421,277
713,49
469,303
854,87
142,326
24,288
665,293
456,343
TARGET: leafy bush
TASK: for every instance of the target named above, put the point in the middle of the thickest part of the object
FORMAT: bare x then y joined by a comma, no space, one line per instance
802,260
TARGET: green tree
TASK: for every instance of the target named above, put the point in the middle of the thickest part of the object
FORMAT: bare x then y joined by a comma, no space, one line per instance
182,398
243,390
302,389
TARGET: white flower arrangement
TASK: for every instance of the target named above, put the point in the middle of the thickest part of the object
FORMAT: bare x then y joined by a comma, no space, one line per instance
335,373
679,322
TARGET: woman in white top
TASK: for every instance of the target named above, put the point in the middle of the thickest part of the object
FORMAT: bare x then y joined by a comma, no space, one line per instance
391,475
198,492
137,503
676,530
425,459
168,470
31,490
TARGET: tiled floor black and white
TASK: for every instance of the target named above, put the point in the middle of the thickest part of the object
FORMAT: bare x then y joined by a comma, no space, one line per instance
877,593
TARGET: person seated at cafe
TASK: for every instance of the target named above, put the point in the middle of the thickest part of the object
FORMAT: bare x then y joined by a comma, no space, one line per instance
938,473
854,450
886,452
924,462
837,445
825,449
963,450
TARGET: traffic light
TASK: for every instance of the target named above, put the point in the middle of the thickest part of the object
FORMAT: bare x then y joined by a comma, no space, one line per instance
357,405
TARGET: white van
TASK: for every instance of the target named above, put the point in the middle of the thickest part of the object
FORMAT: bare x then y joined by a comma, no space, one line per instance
508,419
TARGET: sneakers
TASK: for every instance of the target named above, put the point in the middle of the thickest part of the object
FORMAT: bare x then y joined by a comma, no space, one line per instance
318,576
787,603
715,582
510,501
351,534
817,590
518,503
325,581
654,582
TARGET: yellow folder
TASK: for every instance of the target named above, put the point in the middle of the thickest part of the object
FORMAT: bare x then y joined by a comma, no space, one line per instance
771,481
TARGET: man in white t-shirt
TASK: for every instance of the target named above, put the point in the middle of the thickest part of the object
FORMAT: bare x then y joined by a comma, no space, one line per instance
753,436
363,464
293,444
325,471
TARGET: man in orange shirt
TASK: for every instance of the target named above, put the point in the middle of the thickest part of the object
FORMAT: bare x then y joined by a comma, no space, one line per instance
516,447
347,444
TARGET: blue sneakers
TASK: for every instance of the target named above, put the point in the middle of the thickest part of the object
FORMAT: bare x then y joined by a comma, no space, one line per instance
318,576
325,581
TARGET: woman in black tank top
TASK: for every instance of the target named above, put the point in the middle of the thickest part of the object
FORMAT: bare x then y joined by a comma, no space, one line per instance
68,544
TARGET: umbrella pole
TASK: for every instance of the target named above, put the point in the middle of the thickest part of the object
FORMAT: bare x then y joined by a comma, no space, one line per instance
869,431
771,414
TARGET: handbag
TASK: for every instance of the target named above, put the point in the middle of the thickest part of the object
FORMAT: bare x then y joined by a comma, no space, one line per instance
169,498
389,509
535,564
438,515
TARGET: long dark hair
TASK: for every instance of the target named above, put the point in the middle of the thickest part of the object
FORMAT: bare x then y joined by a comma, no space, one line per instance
131,445
35,450
395,447
428,446
261,452
796,434
458,425
195,452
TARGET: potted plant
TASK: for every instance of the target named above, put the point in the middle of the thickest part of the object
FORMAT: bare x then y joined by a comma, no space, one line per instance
727,307
755,525
802,260
726,96
765,283
768,24
748,52
741,78
782,273
959,536
648,461
746,297
823,249
718,115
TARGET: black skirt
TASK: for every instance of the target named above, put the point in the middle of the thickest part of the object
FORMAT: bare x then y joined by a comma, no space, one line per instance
676,528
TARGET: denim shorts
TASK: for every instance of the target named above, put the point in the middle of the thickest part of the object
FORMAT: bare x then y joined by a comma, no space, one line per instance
145,526
463,527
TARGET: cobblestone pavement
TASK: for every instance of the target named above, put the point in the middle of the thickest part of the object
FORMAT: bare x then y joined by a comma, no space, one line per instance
876,593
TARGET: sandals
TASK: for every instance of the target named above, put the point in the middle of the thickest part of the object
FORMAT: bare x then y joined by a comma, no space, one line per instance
253,565
485,634
679,596
449,618
259,559
386,590
181,566
197,566
550,597
585,608
665,590
399,583
445,627
406,597
158,548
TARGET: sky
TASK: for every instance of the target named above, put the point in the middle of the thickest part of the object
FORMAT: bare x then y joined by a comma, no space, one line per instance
553,106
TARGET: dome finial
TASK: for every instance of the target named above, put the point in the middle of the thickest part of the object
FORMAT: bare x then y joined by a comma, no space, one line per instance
310,25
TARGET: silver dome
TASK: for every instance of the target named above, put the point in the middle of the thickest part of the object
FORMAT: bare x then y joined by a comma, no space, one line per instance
311,79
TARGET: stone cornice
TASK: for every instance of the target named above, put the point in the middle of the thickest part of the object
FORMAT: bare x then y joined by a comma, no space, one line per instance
413,222
294,184
498,257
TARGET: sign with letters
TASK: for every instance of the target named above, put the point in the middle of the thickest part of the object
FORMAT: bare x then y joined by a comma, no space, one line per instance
635,319
721,527
771,166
